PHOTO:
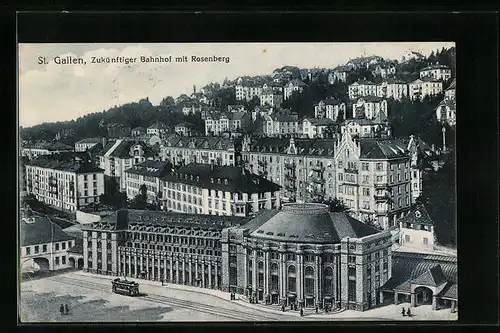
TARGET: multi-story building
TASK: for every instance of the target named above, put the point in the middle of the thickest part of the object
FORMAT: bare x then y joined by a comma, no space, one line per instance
138,131
330,108
317,127
236,108
120,155
118,130
292,86
307,256
362,88
278,124
303,167
209,150
43,245
339,74
64,184
446,110
262,112
436,72
416,231
247,88
392,88
191,108
426,86
271,97
370,107
373,178
147,173
44,148
362,127
218,190
225,122
159,246
185,129
384,71
87,143
157,128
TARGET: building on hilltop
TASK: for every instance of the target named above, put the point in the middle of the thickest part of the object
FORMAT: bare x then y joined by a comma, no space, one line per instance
437,72
42,148
307,256
370,107
426,86
294,85
330,108
158,129
87,143
281,124
138,131
185,129
339,74
362,88
231,123
317,127
218,190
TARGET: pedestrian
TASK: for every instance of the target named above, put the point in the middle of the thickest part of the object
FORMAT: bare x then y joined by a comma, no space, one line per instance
408,313
301,312
316,309
61,309
403,312
66,309
291,306
282,307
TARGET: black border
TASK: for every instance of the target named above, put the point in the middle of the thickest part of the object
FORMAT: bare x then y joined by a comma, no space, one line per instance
476,35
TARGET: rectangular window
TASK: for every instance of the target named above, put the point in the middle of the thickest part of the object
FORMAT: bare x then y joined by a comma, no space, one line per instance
57,246
426,241
36,249
44,248
63,260
28,251
63,246
57,260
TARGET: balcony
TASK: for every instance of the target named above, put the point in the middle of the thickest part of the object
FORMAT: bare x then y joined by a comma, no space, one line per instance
381,197
349,170
381,185
317,168
290,165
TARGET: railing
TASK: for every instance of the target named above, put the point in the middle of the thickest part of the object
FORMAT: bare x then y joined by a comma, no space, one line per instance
379,197
350,170
289,165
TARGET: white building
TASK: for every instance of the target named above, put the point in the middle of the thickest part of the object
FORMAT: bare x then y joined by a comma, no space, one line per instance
64,185
330,108
208,150
437,72
384,71
138,131
191,108
339,74
446,110
44,148
364,127
370,107
362,88
281,124
392,88
449,93
185,129
271,97
120,155
416,231
225,122
218,190
158,129
292,86
147,173
86,143
420,88
44,245
316,127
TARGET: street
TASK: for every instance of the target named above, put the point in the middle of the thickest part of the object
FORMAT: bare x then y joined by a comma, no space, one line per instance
90,299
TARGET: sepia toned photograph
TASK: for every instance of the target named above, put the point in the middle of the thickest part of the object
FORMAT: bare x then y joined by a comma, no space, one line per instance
237,182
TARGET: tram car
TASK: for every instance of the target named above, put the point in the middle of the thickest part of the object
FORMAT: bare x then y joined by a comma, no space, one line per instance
125,287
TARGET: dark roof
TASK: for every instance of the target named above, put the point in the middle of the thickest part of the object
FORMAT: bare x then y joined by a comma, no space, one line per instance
65,165
313,147
332,101
284,118
202,142
214,177
40,230
151,169
185,124
90,140
372,99
433,276
157,125
450,291
78,248
123,149
393,81
169,219
312,223
363,82
407,266
48,146
431,67
417,215
320,121
140,129
381,148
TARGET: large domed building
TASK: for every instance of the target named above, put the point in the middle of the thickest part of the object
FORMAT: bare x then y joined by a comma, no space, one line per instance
307,255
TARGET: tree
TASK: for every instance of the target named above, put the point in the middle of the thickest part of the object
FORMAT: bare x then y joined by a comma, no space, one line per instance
335,205
143,190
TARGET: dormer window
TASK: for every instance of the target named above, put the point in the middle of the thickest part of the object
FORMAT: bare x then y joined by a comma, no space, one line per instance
211,180
225,181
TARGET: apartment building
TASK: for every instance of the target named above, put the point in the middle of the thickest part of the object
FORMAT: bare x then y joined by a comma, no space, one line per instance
330,108
147,173
87,143
185,129
392,88
225,122
362,88
278,124
209,150
317,127
218,190
33,150
339,74
437,72
294,85
426,86
158,129
271,97
66,185
120,155
446,110
370,107
373,178
362,127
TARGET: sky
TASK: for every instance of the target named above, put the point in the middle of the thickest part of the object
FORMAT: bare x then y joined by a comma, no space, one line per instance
55,92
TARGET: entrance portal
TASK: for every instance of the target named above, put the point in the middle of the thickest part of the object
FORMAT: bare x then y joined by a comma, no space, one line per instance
423,295
275,297
80,263
309,301
291,299
71,261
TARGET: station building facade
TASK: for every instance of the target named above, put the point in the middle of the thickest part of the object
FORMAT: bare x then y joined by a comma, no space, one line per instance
306,255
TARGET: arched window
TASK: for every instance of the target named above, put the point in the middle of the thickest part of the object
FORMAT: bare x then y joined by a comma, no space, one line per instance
309,280
292,280
291,270
328,281
260,265
274,277
309,271
274,268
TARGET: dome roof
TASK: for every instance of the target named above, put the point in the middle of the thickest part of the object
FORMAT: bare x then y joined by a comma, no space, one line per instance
310,223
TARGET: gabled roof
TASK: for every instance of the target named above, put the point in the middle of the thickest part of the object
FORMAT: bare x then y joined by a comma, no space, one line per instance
90,140
65,165
185,124
437,66
122,150
431,277
157,125
296,82
332,101
450,291
40,230
320,121
382,148
51,146
417,215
